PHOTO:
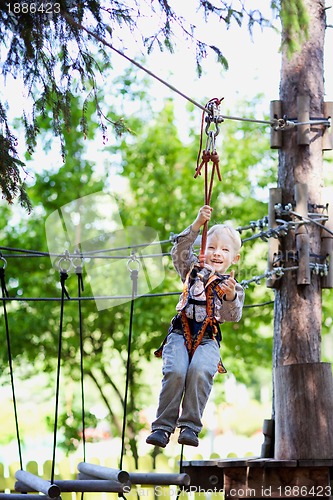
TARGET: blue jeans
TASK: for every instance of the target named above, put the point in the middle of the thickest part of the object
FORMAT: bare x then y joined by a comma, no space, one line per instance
185,381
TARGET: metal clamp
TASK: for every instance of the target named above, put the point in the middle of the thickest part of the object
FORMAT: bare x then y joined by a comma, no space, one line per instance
214,116
133,264
65,268
77,260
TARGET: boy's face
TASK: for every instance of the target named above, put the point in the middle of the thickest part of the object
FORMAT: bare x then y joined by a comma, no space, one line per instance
220,252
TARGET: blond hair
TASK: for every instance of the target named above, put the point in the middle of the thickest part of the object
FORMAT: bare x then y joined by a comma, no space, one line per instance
219,229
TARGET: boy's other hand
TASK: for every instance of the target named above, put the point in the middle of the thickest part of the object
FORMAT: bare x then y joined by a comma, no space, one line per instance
229,286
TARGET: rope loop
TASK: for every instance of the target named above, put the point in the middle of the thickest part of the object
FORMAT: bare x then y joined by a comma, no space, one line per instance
2,277
63,278
65,263
3,262
77,261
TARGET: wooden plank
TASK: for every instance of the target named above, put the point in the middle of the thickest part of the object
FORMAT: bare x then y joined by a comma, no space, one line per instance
232,462
271,462
200,463
293,482
204,478
316,462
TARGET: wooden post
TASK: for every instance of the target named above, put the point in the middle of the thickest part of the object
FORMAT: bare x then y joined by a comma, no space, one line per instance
276,135
303,115
327,238
275,197
302,237
303,411
267,448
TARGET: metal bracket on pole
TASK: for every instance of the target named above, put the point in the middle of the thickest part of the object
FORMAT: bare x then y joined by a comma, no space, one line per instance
276,134
328,131
302,237
275,197
327,238
303,115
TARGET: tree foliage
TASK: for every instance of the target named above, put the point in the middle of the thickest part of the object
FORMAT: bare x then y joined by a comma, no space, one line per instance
163,195
55,56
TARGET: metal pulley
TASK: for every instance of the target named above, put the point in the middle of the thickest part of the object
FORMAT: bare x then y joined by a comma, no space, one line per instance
213,117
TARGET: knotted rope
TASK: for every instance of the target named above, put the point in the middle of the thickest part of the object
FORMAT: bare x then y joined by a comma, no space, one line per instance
209,154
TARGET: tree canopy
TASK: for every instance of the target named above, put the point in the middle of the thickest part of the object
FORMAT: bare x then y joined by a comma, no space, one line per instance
55,55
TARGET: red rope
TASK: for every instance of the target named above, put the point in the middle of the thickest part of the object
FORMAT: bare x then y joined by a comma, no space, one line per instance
206,158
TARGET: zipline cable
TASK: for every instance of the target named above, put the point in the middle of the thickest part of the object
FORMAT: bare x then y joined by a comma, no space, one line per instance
277,123
150,73
10,362
114,297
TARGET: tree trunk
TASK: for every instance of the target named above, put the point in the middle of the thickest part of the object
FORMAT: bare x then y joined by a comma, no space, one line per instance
298,307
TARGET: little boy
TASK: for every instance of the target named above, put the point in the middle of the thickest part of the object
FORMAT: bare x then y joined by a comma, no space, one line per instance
190,352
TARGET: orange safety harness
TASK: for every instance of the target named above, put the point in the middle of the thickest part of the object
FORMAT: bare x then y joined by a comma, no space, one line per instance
211,287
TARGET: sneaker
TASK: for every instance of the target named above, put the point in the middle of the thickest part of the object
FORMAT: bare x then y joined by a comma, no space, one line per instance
159,438
188,436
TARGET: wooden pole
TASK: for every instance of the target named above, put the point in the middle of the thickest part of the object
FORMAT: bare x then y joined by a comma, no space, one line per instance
82,486
153,478
99,471
35,483
159,478
303,393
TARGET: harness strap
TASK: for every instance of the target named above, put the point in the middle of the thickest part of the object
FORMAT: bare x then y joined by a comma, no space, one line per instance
197,302
211,288
191,343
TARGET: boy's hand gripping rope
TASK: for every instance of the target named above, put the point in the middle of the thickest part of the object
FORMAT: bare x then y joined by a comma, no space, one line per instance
209,154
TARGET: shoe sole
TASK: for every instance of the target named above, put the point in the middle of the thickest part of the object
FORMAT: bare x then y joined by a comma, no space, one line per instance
156,443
